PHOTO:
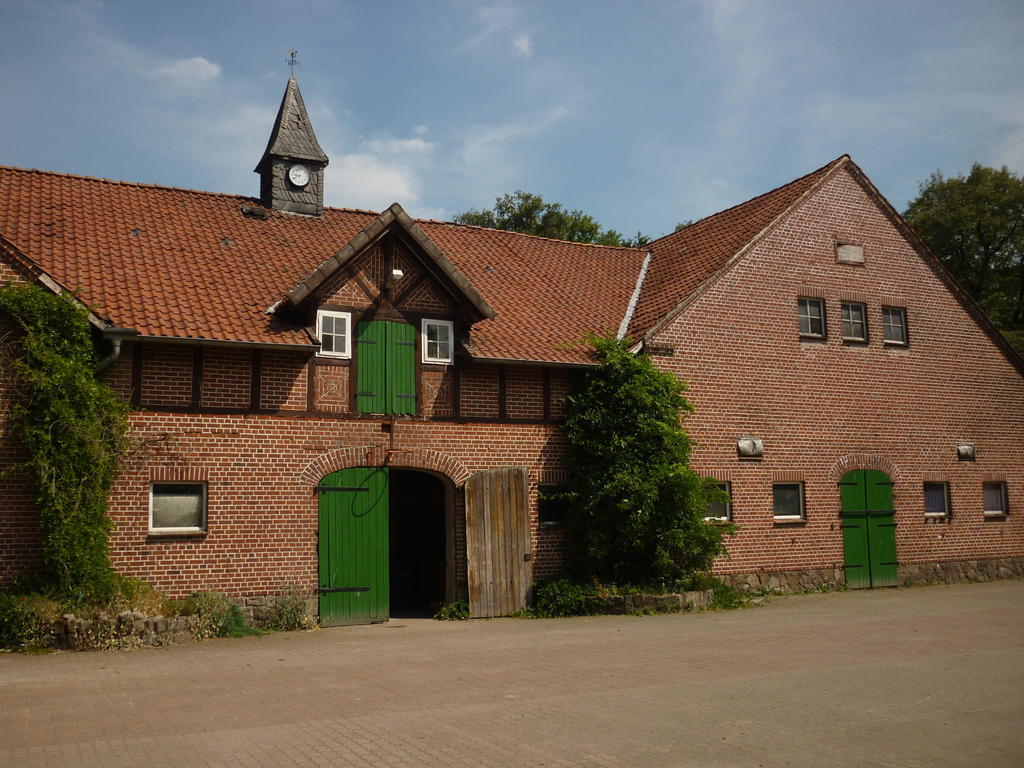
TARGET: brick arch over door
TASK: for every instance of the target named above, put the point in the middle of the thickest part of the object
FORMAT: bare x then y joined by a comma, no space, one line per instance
375,456
863,461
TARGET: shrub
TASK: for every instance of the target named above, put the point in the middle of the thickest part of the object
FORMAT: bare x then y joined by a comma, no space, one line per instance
561,597
455,611
726,597
27,621
635,508
288,612
217,615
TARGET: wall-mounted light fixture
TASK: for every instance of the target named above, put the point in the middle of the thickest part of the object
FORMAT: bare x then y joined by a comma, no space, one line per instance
750,447
965,452
396,277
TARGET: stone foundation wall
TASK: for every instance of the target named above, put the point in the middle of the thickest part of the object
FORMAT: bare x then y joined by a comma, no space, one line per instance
911,574
965,570
668,603
786,581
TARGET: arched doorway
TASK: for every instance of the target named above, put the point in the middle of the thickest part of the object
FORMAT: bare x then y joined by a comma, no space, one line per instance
869,531
386,540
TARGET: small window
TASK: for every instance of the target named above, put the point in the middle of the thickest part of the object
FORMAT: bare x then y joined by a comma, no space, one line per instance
894,325
995,498
936,499
855,323
437,341
788,500
721,510
334,329
177,508
812,317
552,507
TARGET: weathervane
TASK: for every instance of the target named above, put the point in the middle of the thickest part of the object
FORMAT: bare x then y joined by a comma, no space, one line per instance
293,60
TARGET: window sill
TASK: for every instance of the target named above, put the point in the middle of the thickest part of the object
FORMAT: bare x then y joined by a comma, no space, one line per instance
812,337
176,533
717,521
855,342
550,523
995,514
329,356
936,515
895,344
789,520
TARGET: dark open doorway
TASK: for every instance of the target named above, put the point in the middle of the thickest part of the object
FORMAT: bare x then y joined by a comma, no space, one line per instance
417,534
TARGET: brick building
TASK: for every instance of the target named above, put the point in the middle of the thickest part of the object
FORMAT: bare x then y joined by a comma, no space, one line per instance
369,405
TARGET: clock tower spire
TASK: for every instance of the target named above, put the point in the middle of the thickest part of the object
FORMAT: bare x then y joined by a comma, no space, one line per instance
292,167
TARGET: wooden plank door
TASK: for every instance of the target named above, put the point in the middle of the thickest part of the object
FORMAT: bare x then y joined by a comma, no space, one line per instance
354,547
869,531
498,542
881,529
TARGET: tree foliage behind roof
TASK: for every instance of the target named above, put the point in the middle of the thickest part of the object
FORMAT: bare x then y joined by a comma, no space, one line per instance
975,225
529,214
636,509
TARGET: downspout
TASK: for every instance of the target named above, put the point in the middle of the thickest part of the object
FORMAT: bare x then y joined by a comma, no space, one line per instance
115,335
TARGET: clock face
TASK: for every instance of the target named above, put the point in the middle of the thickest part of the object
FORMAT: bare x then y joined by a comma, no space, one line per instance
298,175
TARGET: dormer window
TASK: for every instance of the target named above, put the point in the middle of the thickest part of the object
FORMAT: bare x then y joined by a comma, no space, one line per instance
334,330
438,340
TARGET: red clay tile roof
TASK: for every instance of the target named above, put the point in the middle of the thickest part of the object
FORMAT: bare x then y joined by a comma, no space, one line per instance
187,264
686,259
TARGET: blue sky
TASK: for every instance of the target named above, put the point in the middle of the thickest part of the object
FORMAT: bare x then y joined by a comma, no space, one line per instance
640,113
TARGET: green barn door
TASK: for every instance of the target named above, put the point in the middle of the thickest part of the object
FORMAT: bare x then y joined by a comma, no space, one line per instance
385,367
353,547
869,531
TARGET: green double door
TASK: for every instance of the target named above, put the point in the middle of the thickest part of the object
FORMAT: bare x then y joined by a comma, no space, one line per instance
869,531
354,547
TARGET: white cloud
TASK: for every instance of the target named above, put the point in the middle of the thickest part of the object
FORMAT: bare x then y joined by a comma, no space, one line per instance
366,181
496,22
523,46
189,71
414,146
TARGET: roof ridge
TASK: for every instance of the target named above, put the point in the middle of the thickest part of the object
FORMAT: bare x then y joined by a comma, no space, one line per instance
826,166
639,249
165,187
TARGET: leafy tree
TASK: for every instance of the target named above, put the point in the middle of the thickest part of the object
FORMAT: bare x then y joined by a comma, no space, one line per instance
529,214
635,507
975,225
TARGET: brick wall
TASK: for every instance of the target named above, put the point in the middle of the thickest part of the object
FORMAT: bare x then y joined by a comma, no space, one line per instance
227,375
823,407
167,375
262,511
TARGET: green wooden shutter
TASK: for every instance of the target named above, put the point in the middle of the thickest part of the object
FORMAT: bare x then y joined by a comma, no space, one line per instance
371,348
401,368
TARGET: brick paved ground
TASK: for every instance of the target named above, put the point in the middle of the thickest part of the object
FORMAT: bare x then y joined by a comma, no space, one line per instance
913,677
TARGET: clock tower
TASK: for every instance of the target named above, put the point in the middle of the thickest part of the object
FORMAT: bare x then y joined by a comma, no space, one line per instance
292,167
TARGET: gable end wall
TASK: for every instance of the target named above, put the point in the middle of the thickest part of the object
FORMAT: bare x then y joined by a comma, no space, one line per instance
822,406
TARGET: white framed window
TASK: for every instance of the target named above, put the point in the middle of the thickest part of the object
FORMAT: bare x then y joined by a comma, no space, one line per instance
177,507
334,330
788,501
720,510
936,499
812,317
438,341
995,498
894,325
855,322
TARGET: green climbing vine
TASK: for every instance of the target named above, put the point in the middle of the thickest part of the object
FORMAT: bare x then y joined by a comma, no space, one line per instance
74,432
